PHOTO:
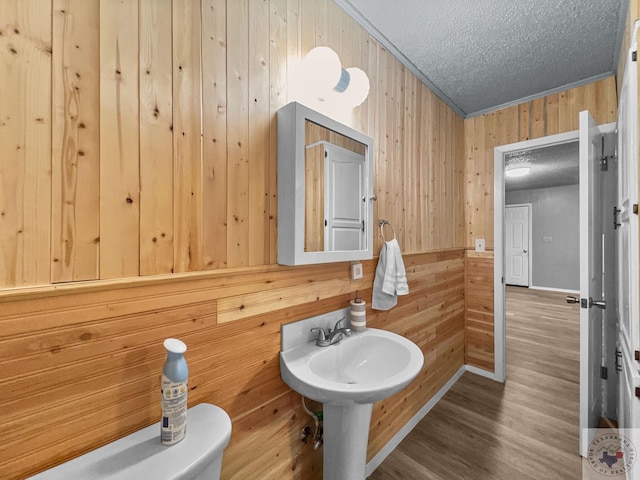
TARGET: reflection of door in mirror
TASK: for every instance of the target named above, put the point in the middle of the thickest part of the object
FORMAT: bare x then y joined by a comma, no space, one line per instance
334,191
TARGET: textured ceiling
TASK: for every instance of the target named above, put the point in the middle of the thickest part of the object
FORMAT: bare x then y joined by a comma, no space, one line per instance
550,167
482,54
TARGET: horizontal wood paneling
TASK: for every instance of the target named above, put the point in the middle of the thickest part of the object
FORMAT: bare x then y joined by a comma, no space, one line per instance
82,364
153,151
479,347
550,115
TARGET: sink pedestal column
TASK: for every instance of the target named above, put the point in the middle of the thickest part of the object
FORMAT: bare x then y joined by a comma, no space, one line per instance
346,435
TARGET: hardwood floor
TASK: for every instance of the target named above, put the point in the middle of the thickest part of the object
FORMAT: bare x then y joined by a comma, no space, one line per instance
526,428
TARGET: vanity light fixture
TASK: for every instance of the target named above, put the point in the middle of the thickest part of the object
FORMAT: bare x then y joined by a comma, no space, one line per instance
323,75
517,172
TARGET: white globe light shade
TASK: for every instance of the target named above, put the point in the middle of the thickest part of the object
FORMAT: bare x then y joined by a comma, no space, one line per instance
321,70
358,88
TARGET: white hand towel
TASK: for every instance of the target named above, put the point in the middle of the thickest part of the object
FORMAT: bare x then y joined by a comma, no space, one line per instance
390,279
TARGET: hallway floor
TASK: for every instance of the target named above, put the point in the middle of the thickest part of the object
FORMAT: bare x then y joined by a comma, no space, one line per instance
524,429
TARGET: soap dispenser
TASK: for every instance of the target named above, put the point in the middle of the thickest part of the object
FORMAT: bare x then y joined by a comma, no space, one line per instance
358,314
174,393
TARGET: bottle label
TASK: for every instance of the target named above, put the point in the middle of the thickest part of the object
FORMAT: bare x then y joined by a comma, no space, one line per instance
174,411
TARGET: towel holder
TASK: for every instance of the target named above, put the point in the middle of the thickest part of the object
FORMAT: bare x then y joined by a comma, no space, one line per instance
382,223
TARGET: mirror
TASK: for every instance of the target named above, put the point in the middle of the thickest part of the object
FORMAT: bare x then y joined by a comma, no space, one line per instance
325,189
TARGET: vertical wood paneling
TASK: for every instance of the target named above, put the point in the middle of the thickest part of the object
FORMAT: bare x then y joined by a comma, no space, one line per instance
156,138
633,14
259,139
482,133
75,166
380,145
187,128
238,133
25,137
119,140
214,124
278,65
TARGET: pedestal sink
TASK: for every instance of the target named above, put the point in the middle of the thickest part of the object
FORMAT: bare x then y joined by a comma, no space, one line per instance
348,378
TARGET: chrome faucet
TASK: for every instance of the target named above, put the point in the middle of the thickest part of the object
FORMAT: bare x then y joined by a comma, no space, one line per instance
326,337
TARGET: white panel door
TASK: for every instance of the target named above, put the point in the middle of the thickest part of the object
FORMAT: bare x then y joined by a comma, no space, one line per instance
344,199
591,210
628,313
517,245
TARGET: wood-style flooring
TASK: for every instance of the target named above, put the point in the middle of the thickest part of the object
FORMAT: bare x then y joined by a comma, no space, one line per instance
524,429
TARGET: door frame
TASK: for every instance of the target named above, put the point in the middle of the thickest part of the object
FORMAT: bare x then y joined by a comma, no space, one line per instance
499,152
529,240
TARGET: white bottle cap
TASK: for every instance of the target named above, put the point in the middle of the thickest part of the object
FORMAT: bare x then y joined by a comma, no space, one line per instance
175,346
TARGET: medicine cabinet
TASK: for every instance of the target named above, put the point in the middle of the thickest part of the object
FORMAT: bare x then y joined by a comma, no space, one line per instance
325,189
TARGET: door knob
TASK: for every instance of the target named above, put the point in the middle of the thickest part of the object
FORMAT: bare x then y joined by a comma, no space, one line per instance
525,251
597,303
573,300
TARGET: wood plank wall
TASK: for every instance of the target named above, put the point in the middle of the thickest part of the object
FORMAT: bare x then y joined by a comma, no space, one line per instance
152,149
138,201
633,14
550,115
81,366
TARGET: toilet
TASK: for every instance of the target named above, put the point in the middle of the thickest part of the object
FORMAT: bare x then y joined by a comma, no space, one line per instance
141,455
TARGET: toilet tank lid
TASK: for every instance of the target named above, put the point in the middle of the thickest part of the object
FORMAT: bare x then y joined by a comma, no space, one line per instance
141,455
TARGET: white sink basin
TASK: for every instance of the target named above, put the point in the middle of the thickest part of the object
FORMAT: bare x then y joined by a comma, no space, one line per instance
364,368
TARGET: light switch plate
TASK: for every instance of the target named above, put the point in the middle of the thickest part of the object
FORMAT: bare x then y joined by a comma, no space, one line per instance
547,239
479,244
356,271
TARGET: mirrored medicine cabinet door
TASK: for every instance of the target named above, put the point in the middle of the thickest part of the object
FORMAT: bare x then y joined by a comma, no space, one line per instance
325,189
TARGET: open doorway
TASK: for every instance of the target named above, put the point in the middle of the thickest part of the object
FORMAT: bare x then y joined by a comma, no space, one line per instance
541,221
551,198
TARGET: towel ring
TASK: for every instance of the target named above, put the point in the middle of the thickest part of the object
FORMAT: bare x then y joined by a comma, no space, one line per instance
382,223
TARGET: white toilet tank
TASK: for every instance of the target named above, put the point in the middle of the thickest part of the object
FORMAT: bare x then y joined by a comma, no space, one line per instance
141,456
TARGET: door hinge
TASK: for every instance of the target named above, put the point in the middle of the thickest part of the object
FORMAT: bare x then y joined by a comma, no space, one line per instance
616,211
363,226
635,208
638,392
636,355
603,373
634,56
618,359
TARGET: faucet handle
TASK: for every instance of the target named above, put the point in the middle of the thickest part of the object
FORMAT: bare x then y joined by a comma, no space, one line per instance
321,334
338,323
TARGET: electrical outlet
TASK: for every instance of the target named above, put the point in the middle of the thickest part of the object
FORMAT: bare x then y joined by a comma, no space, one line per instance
356,271
479,244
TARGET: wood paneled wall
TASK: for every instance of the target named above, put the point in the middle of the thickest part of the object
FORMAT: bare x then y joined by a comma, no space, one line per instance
138,142
550,115
80,366
152,149
633,14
